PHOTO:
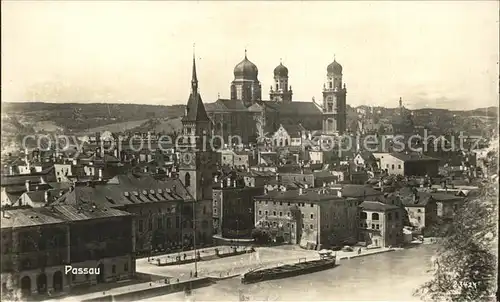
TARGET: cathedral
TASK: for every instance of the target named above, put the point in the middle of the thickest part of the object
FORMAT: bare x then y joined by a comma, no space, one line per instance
248,116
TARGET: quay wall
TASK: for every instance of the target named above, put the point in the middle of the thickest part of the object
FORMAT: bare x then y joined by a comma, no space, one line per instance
154,291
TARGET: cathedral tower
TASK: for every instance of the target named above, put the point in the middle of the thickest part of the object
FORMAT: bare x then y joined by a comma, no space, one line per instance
334,101
246,86
195,153
281,92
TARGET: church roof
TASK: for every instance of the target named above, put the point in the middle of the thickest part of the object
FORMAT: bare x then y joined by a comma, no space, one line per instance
334,67
246,69
195,110
298,108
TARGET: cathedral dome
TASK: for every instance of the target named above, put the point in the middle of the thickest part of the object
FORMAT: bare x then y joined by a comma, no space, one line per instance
246,69
281,71
335,68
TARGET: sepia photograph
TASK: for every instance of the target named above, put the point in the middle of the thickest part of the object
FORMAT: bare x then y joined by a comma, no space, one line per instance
249,150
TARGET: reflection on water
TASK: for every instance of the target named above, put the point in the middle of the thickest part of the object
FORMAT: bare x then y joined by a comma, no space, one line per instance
383,277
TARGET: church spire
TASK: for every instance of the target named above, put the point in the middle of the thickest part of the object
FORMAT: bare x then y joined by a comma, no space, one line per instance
194,79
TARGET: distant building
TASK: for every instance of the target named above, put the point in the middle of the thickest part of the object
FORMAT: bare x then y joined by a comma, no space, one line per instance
310,217
409,164
233,210
421,209
380,224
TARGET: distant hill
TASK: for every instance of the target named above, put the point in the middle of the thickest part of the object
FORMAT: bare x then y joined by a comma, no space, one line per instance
19,119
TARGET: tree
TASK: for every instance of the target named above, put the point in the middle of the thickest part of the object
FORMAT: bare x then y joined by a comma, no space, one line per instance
465,263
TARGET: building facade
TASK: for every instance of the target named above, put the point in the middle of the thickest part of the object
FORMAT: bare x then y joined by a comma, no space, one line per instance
381,225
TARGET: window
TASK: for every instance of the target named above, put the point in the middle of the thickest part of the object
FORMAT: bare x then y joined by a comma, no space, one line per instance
177,222
392,167
281,203
389,216
274,202
387,166
312,205
150,224
160,223
274,213
260,212
169,223
215,211
312,216
374,216
288,214
204,210
419,219
399,166
281,213
363,215
311,226
303,215
373,226
125,267
113,269
141,226
289,204
302,225
266,213
419,211
377,226
266,201
187,180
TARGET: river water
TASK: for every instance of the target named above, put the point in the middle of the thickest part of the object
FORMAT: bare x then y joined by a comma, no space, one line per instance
383,277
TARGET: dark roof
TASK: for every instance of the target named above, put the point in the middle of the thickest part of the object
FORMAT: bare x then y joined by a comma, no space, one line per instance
297,108
55,215
139,188
377,206
366,155
195,110
443,196
408,157
294,130
17,180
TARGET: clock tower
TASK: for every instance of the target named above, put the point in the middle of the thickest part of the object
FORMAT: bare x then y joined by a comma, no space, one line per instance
195,153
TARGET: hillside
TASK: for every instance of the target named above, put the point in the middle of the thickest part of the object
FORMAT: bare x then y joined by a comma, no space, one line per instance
19,119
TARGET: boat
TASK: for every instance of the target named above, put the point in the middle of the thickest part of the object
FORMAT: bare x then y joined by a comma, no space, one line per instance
325,262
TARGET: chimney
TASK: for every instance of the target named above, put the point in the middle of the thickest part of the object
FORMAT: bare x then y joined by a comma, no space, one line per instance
28,185
47,196
100,173
339,193
306,186
145,169
234,183
42,181
216,178
301,191
277,177
228,182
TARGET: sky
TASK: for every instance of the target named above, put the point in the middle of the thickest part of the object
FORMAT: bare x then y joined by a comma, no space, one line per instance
432,54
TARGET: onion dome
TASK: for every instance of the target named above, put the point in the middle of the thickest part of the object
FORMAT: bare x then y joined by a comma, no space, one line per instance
281,71
246,69
335,68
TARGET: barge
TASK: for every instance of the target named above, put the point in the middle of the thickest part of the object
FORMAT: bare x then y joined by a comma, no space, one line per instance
325,262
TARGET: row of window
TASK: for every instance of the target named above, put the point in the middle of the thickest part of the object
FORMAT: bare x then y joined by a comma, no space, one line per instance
374,226
392,166
376,216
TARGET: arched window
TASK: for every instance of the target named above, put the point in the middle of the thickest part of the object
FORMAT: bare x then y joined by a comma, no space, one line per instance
363,215
187,179
374,216
286,142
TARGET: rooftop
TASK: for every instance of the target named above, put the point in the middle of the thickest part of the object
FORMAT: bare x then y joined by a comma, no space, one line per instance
377,206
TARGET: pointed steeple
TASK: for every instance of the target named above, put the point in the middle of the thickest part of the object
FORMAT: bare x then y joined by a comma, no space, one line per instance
194,79
245,53
195,110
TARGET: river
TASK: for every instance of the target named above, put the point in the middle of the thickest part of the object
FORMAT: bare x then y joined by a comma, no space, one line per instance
383,277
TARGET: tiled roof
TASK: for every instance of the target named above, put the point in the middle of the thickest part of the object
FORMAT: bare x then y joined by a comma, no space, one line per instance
55,215
377,206
233,105
294,130
139,189
17,180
